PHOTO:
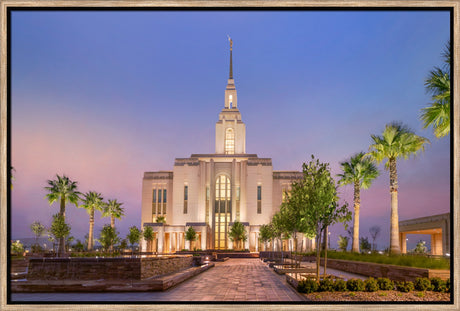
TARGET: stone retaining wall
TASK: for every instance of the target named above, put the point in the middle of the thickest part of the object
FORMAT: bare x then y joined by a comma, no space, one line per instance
105,268
393,272
155,266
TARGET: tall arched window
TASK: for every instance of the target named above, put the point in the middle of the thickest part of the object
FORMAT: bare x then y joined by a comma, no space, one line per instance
229,141
222,211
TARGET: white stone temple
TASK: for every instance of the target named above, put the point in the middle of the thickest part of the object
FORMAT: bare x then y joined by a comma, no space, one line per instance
209,191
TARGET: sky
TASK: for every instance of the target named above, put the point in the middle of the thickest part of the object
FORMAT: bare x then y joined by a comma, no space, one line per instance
103,96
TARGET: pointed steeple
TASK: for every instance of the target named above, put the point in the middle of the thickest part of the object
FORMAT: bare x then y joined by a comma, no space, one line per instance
230,91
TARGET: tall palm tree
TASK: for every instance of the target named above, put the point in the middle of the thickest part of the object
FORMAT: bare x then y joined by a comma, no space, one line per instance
114,210
92,201
437,84
397,141
64,190
360,171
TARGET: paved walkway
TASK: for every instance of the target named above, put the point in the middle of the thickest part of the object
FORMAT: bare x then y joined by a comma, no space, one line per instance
232,280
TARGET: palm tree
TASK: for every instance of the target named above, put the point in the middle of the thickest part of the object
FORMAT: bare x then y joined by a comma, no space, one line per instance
360,171
148,236
438,85
91,202
397,141
114,210
64,190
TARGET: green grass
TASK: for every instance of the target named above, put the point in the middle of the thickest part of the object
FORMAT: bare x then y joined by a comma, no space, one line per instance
418,261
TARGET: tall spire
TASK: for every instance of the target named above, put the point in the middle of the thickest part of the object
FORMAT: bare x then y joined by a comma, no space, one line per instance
231,66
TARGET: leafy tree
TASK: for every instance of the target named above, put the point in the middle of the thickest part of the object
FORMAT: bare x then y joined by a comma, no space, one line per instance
437,84
319,206
108,237
364,244
59,229
343,243
266,234
420,248
38,229
237,234
123,244
64,190
397,141
78,246
134,236
68,241
149,236
92,201
113,210
360,171
374,231
17,247
190,235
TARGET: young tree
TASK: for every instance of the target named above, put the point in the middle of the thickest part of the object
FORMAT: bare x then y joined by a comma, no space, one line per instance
38,229
397,141
133,236
237,234
190,235
59,230
68,241
364,244
64,190
319,206
420,248
360,171
265,234
108,237
343,243
374,231
123,244
17,247
92,201
78,246
149,236
437,84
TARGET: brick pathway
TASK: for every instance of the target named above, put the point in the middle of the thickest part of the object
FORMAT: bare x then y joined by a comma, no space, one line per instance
232,280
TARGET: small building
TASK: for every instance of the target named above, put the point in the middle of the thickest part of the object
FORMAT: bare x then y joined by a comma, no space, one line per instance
209,191
438,226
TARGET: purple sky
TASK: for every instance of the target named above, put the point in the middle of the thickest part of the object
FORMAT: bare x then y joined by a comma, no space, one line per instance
105,96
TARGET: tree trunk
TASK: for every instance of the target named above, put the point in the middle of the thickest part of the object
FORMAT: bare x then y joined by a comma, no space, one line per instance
394,227
325,256
61,247
357,203
112,224
91,229
318,252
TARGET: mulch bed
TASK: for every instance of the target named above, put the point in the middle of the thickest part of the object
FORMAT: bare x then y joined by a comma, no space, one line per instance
387,295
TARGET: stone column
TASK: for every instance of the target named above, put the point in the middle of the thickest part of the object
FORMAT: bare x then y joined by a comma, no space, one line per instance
257,241
403,243
246,244
203,237
161,238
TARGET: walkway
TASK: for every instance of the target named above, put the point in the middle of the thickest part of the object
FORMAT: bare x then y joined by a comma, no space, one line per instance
232,280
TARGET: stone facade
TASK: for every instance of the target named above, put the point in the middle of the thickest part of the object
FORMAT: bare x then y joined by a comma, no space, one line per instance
105,268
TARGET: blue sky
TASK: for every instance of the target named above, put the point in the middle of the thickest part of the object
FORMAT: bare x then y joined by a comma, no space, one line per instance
103,96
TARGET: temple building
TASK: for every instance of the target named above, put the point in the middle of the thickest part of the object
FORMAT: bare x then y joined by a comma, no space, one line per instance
209,191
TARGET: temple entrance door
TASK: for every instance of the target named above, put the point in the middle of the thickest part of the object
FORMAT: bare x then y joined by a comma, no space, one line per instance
222,211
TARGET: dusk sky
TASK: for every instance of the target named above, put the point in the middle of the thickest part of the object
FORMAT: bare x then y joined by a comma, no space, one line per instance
103,96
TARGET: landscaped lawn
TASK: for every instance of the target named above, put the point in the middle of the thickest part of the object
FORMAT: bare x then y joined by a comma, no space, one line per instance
419,261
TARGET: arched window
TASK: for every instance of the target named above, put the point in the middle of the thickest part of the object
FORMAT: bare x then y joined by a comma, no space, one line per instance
229,141
222,211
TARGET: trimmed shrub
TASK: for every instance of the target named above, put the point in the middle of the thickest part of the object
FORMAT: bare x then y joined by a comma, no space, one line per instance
438,285
326,285
422,284
307,286
385,284
405,286
448,285
371,285
355,285
340,285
